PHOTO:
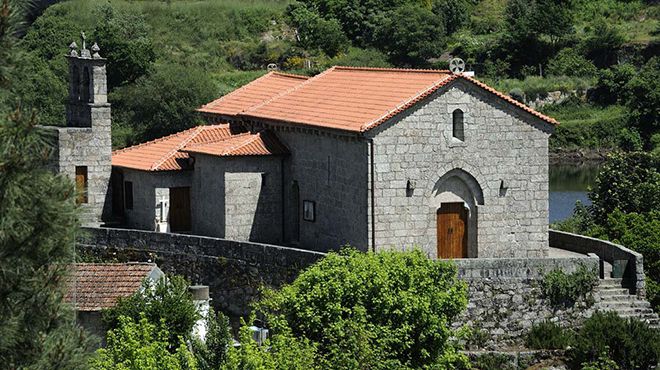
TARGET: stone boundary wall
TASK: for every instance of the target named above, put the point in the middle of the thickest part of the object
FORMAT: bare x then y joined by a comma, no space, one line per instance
233,270
505,297
628,263
504,294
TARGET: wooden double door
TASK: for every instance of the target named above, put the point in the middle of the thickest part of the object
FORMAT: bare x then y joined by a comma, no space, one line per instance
452,227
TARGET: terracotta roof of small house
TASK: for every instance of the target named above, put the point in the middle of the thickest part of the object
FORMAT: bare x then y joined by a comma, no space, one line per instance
95,286
257,91
170,153
245,144
358,99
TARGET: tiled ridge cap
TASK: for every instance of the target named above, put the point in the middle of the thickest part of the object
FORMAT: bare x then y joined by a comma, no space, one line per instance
302,77
408,103
136,146
511,100
183,143
250,137
285,92
244,87
250,140
389,69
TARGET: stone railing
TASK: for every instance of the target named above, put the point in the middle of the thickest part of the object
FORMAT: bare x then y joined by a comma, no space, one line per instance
626,264
234,271
520,268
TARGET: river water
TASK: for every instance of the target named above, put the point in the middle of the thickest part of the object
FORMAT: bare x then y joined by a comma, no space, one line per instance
568,184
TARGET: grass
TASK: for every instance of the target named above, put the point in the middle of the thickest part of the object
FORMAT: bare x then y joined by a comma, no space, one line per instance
584,114
534,86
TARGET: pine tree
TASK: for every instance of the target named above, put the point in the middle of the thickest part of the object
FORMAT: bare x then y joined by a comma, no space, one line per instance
37,228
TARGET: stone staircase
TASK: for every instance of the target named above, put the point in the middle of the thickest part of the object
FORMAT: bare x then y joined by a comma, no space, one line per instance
611,296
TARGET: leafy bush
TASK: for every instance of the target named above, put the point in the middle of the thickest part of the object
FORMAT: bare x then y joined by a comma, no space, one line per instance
602,43
141,345
281,352
372,310
611,85
564,289
167,300
317,32
643,100
630,343
568,62
212,353
548,335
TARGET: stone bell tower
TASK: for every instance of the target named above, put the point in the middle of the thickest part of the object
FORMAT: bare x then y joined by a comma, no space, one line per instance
84,147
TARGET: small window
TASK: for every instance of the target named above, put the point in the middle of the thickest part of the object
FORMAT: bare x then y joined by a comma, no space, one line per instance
458,127
81,184
128,194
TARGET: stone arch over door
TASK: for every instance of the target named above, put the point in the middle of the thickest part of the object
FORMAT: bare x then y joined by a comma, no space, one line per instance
460,187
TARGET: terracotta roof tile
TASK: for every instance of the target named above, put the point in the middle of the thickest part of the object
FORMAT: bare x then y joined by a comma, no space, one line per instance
358,99
257,91
163,154
95,286
246,144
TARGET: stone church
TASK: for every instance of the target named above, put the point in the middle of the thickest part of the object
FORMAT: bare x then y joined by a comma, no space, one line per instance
371,157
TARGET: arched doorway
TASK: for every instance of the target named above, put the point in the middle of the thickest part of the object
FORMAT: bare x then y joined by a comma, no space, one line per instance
457,196
452,230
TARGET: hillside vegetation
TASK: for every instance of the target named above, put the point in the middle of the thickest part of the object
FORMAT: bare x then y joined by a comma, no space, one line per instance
168,57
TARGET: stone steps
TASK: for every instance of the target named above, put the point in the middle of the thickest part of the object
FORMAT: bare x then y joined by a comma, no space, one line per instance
613,297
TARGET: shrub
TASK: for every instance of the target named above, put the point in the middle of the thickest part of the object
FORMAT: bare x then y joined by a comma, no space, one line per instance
517,94
630,343
568,62
167,300
141,345
564,289
372,310
610,87
281,352
317,32
212,353
548,335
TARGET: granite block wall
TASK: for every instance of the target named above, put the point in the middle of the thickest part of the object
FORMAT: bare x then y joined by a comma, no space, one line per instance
143,214
238,198
234,271
503,158
505,297
332,171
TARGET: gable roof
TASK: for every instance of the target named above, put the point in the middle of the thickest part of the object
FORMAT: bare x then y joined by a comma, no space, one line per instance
245,144
95,286
170,153
357,99
163,154
257,91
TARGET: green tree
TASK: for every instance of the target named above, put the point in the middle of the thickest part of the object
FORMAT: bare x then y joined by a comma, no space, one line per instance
568,62
317,32
411,34
372,310
211,354
602,43
642,97
142,345
38,222
167,300
611,86
163,102
125,42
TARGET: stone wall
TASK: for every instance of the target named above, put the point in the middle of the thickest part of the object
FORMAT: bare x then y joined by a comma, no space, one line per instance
331,171
234,271
505,297
627,264
503,160
143,214
238,198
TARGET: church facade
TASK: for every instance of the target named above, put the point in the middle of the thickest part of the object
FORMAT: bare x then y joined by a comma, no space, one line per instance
369,157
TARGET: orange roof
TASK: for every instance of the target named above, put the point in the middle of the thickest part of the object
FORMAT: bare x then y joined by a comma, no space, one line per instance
245,144
257,91
95,286
163,154
358,99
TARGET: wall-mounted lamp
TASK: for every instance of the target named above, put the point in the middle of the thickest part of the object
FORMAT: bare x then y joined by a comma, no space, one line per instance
410,187
504,186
